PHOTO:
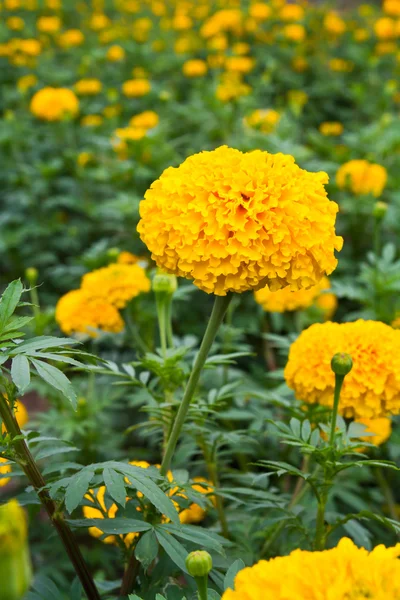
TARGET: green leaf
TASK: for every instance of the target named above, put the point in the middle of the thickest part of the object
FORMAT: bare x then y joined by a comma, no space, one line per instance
147,549
56,379
231,573
114,483
77,488
197,535
173,548
42,342
9,301
116,526
20,372
16,323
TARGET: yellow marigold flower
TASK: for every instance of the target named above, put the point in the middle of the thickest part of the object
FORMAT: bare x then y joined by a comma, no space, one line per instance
263,119
360,35
182,22
88,87
71,38
80,311
229,19
362,177
15,563
231,87
100,511
84,158
15,23
381,427
343,573
134,88
239,64
299,64
334,24
260,11
6,468
241,48
385,28
194,68
392,7
331,128
287,300
99,22
112,111
53,104
294,32
195,513
117,283
115,53
341,65
218,42
127,258
234,221
48,24
297,97
26,82
145,120
91,121
21,414
372,388
292,12
385,48
31,47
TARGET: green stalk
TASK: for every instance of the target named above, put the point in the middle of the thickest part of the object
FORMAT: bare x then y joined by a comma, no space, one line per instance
202,587
338,387
221,304
162,322
320,532
28,464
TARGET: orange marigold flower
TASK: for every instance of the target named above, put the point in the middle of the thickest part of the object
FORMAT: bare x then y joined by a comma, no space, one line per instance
341,573
371,389
362,177
81,312
53,104
117,283
234,221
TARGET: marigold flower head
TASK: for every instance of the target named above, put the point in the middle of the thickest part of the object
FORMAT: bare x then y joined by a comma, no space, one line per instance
260,11
15,23
263,119
88,87
362,177
231,86
6,468
343,573
286,300
381,428
134,88
91,121
234,221
48,24
30,46
99,510
117,283
53,104
71,38
26,81
239,64
145,120
291,12
127,258
331,128
99,21
115,53
294,32
385,28
194,68
81,312
334,24
371,389
392,7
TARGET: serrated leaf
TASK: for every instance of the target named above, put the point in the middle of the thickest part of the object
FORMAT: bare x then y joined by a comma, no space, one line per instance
20,372
114,483
147,549
56,379
231,573
43,342
197,535
173,548
9,301
77,488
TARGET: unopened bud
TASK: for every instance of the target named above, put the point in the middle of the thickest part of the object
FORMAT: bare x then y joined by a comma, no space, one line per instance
380,210
341,364
164,283
113,253
199,563
32,275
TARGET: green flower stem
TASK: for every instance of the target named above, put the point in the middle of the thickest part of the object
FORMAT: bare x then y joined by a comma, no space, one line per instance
338,387
131,572
28,464
221,304
168,318
202,587
320,532
212,469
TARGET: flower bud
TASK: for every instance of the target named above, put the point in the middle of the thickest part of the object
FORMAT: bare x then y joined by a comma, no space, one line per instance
113,253
341,363
31,274
15,565
380,210
198,563
164,283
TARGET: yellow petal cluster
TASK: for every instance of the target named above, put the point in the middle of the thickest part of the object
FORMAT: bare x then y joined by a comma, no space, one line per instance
20,413
381,428
235,221
117,284
53,104
343,573
362,177
82,312
6,468
88,87
331,128
371,389
287,300
263,119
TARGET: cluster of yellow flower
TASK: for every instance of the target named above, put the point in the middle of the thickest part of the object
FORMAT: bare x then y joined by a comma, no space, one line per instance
21,414
193,514
103,292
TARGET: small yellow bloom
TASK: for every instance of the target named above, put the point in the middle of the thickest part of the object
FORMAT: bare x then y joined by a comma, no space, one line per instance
71,38
341,65
392,7
145,120
265,120
294,32
88,87
15,23
79,311
99,21
292,12
53,104
31,47
134,88
331,128
194,68
385,28
92,121
334,24
117,283
6,468
26,82
48,24
381,427
260,11
84,158
362,177
115,53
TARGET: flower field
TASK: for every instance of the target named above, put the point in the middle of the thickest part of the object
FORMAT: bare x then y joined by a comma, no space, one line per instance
200,309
